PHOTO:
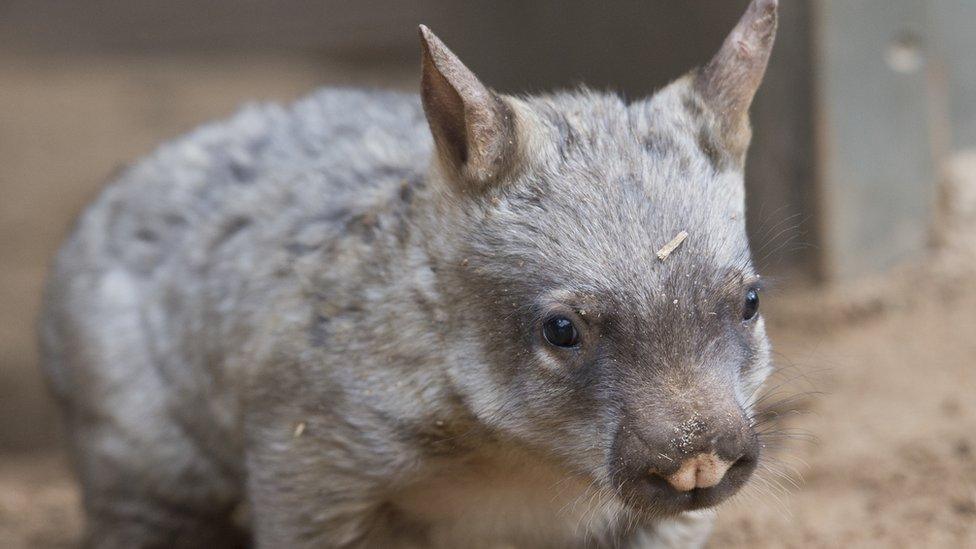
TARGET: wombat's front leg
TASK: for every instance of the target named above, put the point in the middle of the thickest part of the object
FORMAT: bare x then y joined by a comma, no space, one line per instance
300,504
320,477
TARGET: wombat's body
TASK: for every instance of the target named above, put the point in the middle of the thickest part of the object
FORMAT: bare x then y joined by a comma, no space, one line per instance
293,323
183,279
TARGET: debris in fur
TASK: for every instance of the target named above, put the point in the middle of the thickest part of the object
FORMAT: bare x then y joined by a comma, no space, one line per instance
670,247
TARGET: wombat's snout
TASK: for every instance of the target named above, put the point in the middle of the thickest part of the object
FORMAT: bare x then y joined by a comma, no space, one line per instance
693,465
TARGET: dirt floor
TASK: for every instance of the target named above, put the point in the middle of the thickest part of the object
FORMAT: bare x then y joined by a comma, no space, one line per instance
880,392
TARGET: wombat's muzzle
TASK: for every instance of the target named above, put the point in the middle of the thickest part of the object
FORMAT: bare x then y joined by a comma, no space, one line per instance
682,466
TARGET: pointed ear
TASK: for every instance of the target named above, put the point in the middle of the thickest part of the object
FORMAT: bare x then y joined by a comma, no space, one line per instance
729,81
473,128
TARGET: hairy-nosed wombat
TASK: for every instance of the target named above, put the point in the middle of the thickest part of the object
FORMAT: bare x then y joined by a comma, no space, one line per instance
320,327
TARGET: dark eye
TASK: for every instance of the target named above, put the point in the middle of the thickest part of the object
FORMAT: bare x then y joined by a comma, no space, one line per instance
561,332
751,306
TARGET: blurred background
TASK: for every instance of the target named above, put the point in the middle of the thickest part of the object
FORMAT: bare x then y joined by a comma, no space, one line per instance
861,191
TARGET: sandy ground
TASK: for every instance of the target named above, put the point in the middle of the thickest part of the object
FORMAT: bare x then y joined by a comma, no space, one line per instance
882,448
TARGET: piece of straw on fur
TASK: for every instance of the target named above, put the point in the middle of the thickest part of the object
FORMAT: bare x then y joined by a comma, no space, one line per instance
670,247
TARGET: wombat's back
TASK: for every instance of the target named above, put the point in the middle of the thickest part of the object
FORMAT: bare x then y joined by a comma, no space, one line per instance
333,150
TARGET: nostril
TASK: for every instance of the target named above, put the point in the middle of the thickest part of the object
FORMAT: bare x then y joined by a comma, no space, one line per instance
742,468
743,462
658,481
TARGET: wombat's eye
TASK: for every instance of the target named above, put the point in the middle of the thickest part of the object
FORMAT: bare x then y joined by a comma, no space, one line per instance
561,332
751,306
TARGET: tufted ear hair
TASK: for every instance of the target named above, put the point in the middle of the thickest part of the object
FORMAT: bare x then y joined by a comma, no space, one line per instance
473,128
728,83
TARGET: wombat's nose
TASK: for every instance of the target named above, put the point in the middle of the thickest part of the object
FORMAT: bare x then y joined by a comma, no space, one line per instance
699,471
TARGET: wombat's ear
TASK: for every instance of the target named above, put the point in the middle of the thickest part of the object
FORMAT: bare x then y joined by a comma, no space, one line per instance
472,127
730,80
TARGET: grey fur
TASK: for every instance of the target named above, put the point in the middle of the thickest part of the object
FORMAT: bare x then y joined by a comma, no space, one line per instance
294,323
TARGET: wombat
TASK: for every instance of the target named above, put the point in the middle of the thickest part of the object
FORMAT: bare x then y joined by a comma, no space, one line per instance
373,319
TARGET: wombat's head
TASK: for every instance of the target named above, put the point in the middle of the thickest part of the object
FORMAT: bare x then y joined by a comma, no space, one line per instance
575,336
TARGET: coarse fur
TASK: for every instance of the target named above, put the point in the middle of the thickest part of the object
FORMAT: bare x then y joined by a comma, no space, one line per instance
316,326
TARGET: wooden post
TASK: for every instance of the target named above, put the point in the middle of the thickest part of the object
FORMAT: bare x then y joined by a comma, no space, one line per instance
876,175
